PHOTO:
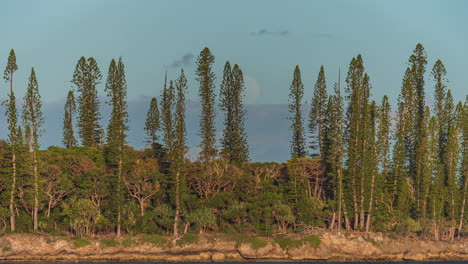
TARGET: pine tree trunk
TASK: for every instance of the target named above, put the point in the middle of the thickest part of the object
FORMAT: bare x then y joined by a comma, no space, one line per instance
340,198
319,126
332,222
13,184
462,210
12,195
177,204
36,191
371,201
119,206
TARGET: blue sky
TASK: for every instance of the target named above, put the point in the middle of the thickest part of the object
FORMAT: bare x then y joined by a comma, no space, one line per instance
152,35
266,38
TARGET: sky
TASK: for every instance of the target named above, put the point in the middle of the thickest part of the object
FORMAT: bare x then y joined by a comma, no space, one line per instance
266,38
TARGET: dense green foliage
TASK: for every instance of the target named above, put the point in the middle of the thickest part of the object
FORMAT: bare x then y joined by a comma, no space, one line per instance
374,168
234,142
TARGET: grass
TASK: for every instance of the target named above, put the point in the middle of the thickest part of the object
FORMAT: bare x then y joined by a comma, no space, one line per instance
254,242
312,240
187,239
81,243
110,243
373,242
156,240
289,243
128,242
6,249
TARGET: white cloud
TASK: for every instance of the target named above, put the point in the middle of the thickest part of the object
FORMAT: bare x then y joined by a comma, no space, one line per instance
252,90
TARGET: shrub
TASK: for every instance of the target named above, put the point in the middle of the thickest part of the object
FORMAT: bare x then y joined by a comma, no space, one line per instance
289,243
156,240
202,218
187,239
254,242
408,226
312,240
81,243
128,242
6,249
110,243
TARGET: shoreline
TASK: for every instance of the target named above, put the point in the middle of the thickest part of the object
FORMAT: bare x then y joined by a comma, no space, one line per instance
216,248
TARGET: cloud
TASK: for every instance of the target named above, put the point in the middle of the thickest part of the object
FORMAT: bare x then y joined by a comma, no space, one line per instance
266,32
323,35
185,61
252,90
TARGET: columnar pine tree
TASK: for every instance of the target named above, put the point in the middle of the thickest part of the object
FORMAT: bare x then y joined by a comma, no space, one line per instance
86,77
383,139
370,163
423,167
116,88
234,141
296,92
317,112
33,120
435,194
417,63
226,105
180,146
451,165
69,140
167,113
358,89
333,147
152,124
206,78
12,118
240,151
399,189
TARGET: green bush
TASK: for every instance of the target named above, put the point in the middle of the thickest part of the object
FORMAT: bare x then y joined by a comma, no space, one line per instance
158,220
6,249
312,240
289,243
408,226
202,218
156,240
110,243
128,242
81,243
254,242
187,239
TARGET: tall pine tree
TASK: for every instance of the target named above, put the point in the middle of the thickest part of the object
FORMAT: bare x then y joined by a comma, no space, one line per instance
333,147
12,118
167,113
152,124
86,77
33,120
180,147
68,139
296,92
206,78
240,148
116,88
234,142
317,112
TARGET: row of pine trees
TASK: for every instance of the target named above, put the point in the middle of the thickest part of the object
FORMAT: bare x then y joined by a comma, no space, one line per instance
408,163
417,167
